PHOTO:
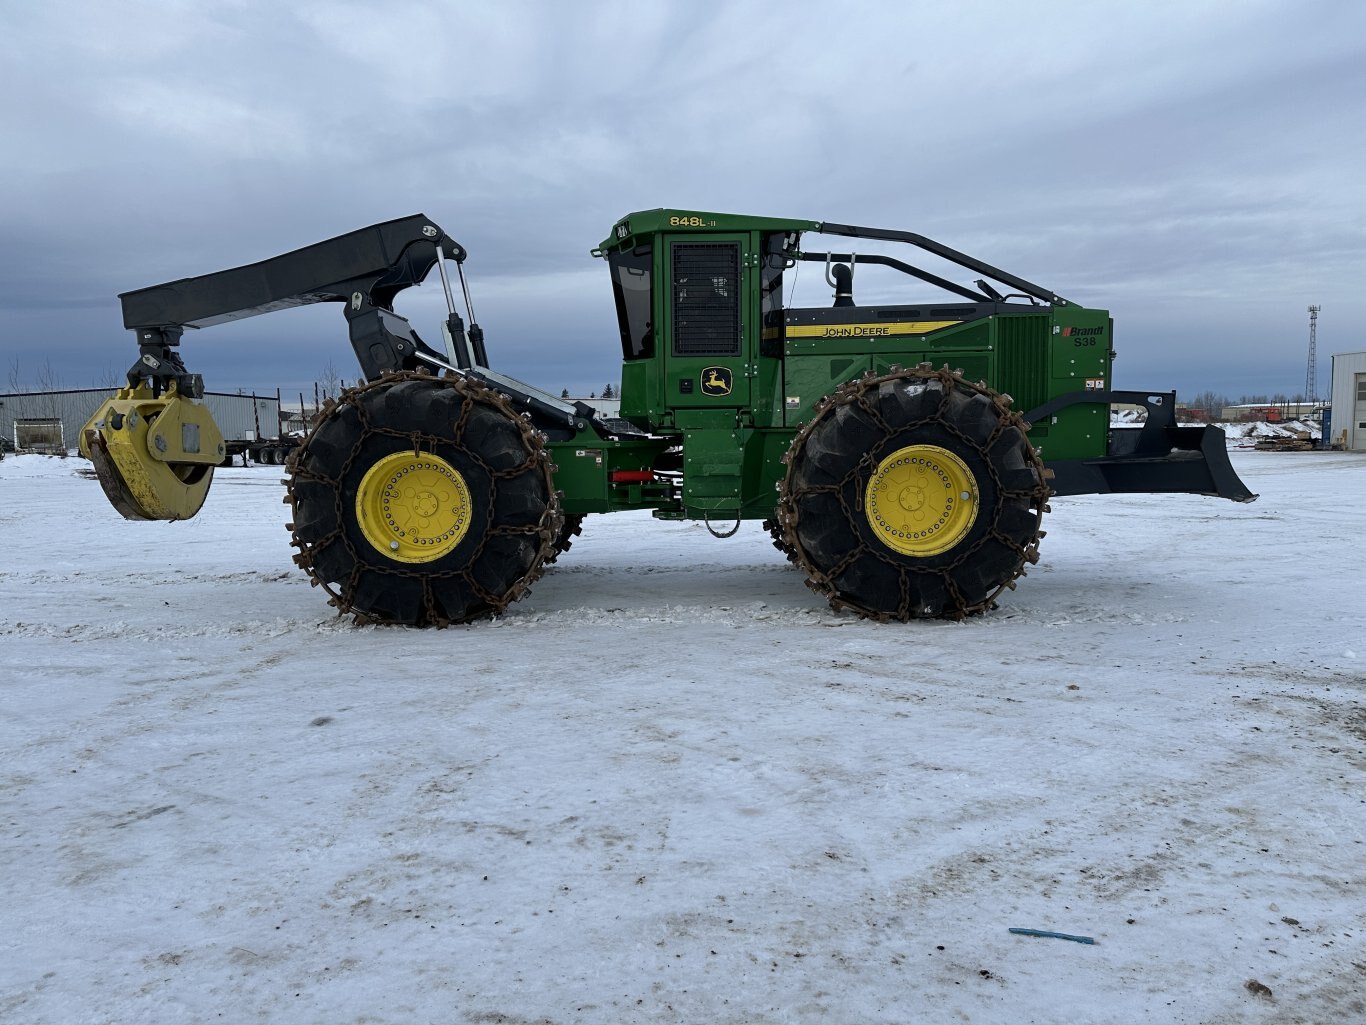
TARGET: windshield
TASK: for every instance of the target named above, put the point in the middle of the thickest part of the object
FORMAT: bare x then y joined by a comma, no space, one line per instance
631,289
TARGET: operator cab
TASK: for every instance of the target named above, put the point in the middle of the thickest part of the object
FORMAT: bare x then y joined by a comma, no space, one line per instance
700,309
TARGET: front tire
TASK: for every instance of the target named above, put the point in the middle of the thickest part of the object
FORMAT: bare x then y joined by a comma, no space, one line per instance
422,501
571,526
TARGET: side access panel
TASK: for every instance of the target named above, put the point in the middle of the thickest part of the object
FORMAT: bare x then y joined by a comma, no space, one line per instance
824,348
1079,355
711,311
729,471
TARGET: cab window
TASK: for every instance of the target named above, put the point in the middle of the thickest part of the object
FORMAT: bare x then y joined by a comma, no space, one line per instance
631,290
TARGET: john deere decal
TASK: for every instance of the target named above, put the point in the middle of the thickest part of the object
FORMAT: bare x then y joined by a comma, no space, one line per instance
716,381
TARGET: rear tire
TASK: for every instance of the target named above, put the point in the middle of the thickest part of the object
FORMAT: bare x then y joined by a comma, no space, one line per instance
913,495
776,532
422,501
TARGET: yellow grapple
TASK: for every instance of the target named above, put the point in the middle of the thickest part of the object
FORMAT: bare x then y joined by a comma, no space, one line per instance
154,456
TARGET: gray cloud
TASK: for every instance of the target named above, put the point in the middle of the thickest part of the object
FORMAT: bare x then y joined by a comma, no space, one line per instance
1194,167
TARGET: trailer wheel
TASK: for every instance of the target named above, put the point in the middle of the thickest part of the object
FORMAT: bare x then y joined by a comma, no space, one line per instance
422,501
913,495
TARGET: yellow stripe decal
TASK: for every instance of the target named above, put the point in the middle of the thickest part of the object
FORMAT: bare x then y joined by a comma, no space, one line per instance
903,327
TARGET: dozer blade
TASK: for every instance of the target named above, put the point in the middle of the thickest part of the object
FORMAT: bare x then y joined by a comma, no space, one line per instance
1183,460
154,457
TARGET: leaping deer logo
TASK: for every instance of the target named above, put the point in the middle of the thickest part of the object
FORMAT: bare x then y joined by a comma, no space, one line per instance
716,381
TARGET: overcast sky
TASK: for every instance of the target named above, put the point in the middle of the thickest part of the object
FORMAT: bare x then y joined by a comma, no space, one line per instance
1197,168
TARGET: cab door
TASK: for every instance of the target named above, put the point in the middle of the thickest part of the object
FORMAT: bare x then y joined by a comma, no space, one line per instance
712,312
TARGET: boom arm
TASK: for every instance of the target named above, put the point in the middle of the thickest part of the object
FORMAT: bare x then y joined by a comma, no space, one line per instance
365,269
154,447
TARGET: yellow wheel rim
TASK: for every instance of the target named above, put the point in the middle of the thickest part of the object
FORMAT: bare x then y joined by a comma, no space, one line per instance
413,508
921,500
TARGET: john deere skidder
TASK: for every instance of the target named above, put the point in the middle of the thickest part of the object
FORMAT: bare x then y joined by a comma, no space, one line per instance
902,455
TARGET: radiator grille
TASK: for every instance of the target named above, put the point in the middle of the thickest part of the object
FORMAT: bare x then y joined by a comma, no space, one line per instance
1022,350
706,298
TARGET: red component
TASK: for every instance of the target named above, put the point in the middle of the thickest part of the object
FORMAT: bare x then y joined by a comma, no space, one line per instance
631,476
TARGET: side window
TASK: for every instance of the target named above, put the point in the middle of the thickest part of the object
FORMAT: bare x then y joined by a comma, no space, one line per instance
631,290
705,296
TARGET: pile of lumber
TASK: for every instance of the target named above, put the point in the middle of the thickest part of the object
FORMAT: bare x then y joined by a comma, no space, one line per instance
1298,441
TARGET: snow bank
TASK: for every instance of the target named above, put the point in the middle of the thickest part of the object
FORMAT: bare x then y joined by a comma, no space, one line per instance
673,786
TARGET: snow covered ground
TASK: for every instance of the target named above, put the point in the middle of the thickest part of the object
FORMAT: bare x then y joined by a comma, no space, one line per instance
672,786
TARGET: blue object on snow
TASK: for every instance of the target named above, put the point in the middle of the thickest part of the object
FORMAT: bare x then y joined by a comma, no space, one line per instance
1053,935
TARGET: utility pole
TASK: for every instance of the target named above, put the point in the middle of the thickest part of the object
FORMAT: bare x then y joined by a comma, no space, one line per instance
1311,373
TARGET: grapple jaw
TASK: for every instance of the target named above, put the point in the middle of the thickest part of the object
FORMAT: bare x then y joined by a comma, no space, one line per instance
154,455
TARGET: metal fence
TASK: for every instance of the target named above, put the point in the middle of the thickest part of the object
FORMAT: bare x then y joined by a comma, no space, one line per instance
240,417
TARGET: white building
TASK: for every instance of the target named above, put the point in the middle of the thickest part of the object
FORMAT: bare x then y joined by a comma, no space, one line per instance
1347,428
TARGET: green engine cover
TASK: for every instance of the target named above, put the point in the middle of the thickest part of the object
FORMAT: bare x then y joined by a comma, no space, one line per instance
721,373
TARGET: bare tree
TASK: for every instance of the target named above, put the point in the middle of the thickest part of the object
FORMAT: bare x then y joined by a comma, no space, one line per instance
48,377
1211,402
49,381
330,380
107,377
15,382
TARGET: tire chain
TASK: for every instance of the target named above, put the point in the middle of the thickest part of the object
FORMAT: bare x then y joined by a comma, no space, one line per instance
547,529
856,392
571,526
776,532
